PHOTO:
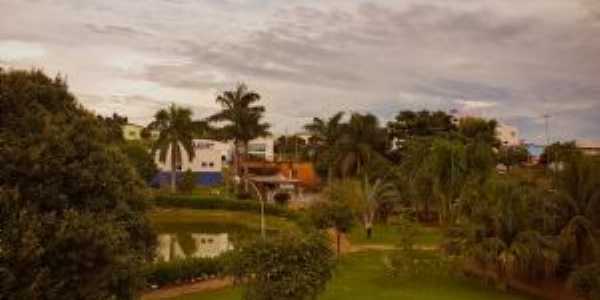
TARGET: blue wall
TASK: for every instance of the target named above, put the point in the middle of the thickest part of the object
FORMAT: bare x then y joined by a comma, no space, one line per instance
202,178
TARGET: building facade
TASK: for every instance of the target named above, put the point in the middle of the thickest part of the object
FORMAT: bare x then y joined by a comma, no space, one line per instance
508,135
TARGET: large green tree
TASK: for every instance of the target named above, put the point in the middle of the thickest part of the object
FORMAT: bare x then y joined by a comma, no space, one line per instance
579,213
72,222
287,266
243,120
362,141
327,134
176,135
408,124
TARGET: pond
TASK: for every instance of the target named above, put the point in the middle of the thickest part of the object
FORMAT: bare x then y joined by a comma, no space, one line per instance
203,240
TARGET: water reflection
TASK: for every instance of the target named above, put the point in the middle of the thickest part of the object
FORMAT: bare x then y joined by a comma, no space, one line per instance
182,245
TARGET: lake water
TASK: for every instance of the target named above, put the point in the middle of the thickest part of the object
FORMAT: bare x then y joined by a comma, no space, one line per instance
205,245
204,240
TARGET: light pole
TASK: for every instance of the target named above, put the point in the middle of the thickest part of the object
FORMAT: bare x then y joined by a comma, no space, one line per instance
262,209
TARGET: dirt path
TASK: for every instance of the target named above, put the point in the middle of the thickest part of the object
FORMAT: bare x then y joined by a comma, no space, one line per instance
192,288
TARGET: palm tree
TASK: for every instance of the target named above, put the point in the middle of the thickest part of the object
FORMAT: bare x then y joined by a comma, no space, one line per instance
579,189
365,197
243,120
448,171
327,134
500,235
176,132
362,140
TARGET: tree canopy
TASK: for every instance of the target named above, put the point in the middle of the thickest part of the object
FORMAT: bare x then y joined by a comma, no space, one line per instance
72,223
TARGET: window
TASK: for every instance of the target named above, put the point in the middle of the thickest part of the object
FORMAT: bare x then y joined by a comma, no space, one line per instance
204,164
211,164
257,147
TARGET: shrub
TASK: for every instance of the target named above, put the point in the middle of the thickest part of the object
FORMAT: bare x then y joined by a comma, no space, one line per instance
586,281
184,270
282,198
187,183
289,266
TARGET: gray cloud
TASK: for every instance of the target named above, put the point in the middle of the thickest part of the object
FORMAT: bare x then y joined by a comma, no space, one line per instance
312,58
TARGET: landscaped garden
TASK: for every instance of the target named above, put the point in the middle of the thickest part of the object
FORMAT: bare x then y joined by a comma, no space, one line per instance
360,275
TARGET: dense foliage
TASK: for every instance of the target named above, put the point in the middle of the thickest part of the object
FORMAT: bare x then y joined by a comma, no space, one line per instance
141,159
72,222
284,267
332,214
185,270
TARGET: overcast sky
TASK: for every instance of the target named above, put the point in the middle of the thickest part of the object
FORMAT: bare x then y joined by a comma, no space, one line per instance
512,60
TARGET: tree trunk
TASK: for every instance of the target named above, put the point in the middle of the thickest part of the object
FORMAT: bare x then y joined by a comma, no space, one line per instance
236,166
244,173
330,174
338,242
173,169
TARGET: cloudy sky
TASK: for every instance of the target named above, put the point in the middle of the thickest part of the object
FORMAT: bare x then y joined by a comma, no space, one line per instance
512,60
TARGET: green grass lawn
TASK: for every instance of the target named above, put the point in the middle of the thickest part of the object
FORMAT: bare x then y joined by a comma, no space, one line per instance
388,235
190,218
363,276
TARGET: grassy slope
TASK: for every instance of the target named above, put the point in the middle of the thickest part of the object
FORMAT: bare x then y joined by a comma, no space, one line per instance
388,235
361,276
189,217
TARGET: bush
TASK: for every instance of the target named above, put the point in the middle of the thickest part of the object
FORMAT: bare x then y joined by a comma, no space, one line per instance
187,183
282,198
184,270
289,266
196,202
586,282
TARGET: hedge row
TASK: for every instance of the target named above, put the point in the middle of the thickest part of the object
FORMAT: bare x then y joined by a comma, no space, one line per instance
184,270
197,202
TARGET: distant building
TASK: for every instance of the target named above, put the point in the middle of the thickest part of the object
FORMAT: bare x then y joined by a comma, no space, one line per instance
508,135
132,132
262,149
207,165
589,147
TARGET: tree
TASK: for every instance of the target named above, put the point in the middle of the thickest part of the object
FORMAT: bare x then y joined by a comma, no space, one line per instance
242,118
448,170
479,129
559,152
363,139
500,235
188,182
579,200
332,214
512,155
114,126
291,147
327,134
141,159
72,209
176,132
409,124
288,266
364,197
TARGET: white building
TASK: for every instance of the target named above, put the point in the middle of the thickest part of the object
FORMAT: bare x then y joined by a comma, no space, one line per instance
132,132
262,148
588,147
209,156
508,135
